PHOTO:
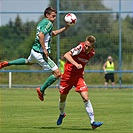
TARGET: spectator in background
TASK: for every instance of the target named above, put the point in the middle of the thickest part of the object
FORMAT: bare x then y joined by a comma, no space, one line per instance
61,67
108,68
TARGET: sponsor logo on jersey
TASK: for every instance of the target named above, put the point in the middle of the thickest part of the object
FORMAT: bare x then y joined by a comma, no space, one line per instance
82,60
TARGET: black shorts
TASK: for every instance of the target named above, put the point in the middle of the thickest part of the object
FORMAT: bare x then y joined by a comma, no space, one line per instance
109,76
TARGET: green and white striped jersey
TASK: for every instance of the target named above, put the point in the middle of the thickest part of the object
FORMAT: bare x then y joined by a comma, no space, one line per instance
45,26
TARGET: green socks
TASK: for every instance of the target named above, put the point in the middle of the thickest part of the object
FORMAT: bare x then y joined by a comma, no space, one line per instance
51,79
20,61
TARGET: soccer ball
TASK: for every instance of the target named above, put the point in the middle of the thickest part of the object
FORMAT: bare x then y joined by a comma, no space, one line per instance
70,19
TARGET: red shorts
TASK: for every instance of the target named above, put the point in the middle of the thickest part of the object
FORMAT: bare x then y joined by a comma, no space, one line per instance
67,84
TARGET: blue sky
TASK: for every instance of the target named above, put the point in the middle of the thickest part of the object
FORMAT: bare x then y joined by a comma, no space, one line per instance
40,5
22,6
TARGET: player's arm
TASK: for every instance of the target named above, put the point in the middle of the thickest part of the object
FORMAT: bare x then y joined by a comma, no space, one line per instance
104,67
41,39
68,57
56,32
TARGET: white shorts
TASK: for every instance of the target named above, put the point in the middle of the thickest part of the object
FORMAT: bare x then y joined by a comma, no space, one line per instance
36,57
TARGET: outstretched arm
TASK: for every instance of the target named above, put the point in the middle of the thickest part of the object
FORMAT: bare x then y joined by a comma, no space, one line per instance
56,32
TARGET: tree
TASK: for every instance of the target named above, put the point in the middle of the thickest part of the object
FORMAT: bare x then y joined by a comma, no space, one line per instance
13,37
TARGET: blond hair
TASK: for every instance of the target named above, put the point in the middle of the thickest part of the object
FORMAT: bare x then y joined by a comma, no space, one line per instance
91,39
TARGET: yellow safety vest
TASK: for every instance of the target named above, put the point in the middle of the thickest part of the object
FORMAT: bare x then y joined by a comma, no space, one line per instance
62,63
110,67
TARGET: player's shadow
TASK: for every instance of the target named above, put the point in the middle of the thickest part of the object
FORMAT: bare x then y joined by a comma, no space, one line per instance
76,128
65,128
46,127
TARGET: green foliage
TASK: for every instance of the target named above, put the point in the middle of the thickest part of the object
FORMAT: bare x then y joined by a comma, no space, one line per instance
14,36
17,38
102,25
33,79
22,112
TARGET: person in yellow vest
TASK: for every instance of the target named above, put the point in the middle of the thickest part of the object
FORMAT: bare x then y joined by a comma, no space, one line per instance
108,68
61,67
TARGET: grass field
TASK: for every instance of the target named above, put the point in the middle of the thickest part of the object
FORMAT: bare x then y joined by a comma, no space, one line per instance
22,112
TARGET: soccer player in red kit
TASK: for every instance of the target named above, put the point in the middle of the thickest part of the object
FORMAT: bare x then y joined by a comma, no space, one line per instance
77,58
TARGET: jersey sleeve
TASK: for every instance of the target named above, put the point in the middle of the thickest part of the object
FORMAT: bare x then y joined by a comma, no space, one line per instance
76,50
47,27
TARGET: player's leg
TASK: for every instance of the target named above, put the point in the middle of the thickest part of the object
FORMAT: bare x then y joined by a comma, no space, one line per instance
20,61
89,110
51,79
41,90
65,86
88,105
82,89
46,64
62,105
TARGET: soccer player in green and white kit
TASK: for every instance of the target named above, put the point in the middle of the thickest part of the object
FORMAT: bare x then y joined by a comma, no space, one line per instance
41,50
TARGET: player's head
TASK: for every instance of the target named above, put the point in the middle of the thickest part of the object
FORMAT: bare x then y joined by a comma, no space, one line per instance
89,43
91,39
50,14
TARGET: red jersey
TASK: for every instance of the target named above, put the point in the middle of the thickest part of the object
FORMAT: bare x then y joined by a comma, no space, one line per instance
81,57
